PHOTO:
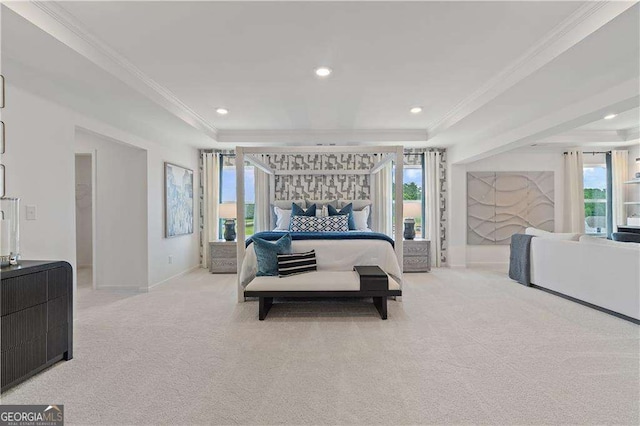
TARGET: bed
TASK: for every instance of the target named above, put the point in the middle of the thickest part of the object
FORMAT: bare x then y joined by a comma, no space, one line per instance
336,256
336,252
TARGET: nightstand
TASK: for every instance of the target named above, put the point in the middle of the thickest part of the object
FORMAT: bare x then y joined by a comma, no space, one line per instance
223,257
416,255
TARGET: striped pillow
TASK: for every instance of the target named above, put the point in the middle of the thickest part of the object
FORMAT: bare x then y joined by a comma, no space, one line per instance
296,263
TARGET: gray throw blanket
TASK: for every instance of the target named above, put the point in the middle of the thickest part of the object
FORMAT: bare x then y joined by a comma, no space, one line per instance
520,258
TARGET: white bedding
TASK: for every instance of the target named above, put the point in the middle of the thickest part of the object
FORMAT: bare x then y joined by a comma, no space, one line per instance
335,255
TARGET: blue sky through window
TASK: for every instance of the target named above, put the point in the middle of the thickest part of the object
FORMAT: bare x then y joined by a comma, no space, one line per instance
229,185
595,177
413,175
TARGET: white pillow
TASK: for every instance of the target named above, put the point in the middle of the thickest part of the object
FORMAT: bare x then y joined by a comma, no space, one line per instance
536,232
283,218
568,236
361,218
594,240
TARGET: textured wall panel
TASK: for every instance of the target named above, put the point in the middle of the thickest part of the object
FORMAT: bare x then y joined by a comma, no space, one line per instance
500,204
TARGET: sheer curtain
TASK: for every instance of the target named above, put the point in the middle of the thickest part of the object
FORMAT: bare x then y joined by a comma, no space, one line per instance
432,203
383,201
211,199
619,174
573,192
262,218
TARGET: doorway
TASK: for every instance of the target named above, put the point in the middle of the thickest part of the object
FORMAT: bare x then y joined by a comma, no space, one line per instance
84,221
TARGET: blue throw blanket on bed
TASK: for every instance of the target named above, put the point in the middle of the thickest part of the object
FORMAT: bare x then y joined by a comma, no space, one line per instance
351,235
520,258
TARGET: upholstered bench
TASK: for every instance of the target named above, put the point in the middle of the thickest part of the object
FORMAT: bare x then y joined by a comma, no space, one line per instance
317,284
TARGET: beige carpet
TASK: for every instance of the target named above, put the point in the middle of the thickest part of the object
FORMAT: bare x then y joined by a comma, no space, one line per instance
462,347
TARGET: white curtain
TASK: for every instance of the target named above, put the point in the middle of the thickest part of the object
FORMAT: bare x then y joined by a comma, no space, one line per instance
262,217
573,192
432,204
619,173
383,218
211,189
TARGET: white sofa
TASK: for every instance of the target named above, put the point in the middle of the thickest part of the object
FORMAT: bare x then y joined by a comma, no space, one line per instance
600,272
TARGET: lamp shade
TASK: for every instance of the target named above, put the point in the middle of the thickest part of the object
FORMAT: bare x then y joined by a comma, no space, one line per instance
227,211
412,209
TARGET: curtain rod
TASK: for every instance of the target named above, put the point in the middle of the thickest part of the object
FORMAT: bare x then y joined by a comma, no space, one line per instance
591,152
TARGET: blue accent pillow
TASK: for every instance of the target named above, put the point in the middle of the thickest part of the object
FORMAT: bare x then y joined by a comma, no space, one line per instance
348,210
267,254
296,210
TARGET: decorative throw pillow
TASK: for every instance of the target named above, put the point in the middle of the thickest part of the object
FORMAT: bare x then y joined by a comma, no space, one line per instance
283,218
361,218
338,223
296,210
267,254
348,210
296,263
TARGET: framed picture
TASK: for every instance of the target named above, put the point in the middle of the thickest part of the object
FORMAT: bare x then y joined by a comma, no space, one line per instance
178,200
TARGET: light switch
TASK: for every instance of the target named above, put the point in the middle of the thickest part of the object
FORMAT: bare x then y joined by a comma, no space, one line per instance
31,212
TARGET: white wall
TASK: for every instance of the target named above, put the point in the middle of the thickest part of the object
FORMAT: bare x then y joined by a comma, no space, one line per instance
84,211
463,255
633,190
121,259
40,165
40,169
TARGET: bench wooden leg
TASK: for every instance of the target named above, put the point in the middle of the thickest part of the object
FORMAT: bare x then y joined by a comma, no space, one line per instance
264,304
381,305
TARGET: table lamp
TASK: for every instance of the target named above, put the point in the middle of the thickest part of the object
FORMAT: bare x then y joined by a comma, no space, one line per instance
411,210
229,213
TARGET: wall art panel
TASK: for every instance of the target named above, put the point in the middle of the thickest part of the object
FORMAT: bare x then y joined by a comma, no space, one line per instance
500,204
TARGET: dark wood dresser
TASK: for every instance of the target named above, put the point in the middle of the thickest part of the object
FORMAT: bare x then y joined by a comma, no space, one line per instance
37,318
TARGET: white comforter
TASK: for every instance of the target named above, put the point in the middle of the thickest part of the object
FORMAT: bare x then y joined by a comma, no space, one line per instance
335,255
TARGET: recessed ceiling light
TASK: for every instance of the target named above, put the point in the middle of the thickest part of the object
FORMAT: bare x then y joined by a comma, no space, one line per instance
416,110
222,111
610,116
323,72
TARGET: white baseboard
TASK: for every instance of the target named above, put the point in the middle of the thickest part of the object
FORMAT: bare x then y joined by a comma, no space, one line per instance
494,266
120,289
185,272
457,266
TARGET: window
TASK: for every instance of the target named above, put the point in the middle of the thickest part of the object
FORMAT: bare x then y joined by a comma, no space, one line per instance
228,191
412,193
595,199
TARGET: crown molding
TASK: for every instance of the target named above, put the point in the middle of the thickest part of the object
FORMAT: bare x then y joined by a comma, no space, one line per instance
574,137
53,19
630,134
583,22
312,137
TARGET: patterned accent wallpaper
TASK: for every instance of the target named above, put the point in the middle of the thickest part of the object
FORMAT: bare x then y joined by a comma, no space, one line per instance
338,186
500,204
